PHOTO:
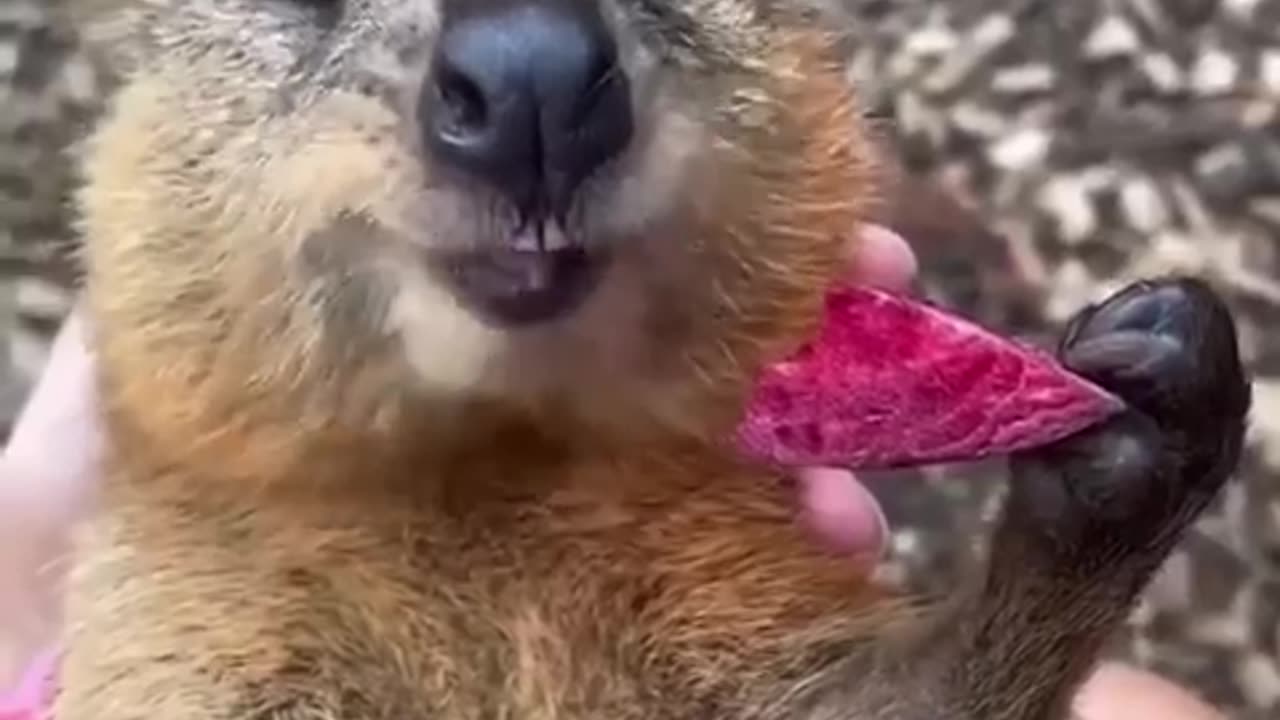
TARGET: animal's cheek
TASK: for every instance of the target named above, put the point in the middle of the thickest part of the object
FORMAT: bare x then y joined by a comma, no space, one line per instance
341,156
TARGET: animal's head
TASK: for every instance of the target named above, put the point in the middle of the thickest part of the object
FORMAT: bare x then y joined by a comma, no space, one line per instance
331,213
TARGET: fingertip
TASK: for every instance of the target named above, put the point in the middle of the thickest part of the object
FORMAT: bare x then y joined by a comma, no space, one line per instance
883,258
846,517
71,343
1119,692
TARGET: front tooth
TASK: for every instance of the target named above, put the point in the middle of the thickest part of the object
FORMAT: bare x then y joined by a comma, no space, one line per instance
553,238
526,239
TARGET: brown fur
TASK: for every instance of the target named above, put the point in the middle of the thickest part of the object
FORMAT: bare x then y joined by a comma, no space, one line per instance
331,494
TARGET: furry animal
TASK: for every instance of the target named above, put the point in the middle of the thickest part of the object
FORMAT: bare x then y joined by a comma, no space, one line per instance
421,324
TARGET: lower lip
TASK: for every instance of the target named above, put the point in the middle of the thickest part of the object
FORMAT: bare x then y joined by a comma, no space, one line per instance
515,288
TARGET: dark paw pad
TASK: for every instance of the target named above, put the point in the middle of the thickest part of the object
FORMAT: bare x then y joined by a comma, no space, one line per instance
1169,349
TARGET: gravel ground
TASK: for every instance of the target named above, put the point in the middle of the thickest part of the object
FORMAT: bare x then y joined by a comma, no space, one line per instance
1100,141
1071,147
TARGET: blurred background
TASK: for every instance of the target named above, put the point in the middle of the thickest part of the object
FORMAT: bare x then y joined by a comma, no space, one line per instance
1054,151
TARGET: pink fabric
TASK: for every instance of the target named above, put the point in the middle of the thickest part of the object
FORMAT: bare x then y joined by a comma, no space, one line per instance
889,381
31,698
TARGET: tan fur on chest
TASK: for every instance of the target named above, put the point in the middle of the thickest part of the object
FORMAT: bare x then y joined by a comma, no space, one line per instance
594,589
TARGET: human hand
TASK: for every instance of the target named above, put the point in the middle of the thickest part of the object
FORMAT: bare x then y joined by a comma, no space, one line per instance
47,475
50,462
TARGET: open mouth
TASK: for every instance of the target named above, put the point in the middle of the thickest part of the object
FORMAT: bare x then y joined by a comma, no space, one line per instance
513,286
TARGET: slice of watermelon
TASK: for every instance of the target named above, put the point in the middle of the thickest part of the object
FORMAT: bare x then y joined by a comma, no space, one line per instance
891,382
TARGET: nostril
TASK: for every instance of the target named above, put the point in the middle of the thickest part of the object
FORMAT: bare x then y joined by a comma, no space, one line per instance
528,97
463,109
600,90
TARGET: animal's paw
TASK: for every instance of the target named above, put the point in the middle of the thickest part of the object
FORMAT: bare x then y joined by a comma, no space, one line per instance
1169,349
1128,487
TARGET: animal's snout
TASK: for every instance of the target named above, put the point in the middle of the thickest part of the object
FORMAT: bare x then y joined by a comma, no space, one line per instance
528,97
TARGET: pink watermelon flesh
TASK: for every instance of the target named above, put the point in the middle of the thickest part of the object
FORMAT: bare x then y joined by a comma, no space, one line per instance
892,382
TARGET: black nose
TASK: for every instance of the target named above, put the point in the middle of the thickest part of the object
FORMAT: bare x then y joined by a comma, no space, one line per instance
526,95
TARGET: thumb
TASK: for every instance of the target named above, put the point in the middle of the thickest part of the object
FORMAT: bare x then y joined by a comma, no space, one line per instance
1119,692
843,514
50,461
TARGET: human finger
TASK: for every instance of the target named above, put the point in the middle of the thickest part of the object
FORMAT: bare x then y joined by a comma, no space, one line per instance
845,517
881,257
1119,692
